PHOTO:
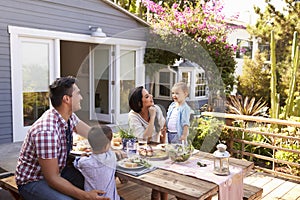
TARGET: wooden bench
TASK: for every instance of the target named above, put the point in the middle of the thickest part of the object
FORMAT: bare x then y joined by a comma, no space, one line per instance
252,192
7,182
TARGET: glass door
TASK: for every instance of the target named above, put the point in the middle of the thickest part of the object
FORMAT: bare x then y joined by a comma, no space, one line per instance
126,80
33,72
101,83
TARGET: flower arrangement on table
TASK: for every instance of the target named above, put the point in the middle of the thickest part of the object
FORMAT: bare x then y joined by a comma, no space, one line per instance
126,135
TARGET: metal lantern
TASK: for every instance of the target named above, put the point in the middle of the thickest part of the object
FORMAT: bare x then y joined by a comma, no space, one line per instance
221,160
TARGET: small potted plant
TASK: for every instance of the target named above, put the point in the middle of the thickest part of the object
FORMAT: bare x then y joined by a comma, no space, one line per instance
126,136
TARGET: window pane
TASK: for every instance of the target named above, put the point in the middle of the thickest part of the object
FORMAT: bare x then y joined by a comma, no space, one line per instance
164,90
164,77
35,76
35,104
127,78
101,79
245,48
200,85
164,84
186,77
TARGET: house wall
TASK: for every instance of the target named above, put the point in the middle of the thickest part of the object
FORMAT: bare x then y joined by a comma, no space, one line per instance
72,16
240,33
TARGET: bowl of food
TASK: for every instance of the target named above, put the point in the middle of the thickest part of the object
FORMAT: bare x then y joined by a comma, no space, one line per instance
179,153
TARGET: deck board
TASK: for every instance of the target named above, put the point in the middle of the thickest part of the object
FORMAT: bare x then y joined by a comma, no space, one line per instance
281,190
274,188
293,193
258,179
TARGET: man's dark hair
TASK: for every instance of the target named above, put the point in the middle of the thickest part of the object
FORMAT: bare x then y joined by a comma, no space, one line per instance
59,88
135,99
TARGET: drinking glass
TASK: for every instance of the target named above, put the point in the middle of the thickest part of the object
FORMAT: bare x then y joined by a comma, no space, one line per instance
131,148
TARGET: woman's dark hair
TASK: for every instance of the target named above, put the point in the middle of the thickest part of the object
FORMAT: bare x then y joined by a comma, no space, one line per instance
135,99
59,88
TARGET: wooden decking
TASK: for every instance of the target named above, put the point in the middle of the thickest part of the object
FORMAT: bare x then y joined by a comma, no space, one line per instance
273,188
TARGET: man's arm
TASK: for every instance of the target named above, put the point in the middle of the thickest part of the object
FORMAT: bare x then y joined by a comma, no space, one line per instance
51,173
82,129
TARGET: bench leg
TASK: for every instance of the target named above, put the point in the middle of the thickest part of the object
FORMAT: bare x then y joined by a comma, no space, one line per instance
122,180
15,195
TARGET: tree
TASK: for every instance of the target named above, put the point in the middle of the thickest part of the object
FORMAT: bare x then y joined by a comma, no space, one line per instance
196,31
284,23
254,79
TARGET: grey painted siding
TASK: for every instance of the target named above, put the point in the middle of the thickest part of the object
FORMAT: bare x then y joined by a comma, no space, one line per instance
67,15
72,16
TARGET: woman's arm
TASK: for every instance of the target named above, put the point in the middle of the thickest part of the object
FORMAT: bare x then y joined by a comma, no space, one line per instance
149,130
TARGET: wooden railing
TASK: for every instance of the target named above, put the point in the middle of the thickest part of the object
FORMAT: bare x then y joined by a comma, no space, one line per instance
277,140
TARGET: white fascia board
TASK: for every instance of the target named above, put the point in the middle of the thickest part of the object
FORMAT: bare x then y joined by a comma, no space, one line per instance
32,32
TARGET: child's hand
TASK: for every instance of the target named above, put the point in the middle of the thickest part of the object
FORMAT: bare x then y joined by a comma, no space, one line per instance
183,138
163,134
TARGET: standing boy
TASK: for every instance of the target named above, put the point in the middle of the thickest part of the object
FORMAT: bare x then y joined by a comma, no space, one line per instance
178,115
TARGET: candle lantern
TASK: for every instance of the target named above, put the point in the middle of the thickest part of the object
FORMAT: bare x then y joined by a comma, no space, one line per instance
221,160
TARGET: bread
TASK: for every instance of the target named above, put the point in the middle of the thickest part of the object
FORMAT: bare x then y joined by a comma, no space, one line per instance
117,144
130,164
117,140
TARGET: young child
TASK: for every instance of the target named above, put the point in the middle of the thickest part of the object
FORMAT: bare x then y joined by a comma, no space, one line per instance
99,168
178,115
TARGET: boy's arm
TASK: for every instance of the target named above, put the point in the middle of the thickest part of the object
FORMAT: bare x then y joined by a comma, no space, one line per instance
185,133
82,129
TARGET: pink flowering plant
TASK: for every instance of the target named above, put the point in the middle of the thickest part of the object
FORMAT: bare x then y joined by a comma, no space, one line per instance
186,27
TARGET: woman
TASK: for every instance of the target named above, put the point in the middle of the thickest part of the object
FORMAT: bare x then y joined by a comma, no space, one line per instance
147,123
145,119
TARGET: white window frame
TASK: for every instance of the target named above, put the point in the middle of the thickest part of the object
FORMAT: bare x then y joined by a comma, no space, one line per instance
122,118
205,84
192,87
158,83
17,32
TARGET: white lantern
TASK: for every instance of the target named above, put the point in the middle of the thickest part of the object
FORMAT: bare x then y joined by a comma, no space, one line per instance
221,160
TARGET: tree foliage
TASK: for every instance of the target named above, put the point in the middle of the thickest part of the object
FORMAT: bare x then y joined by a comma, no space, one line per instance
202,24
255,78
284,22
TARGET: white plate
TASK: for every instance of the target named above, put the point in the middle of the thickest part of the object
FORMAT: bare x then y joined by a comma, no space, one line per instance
160,147
122,164
117,147
78,153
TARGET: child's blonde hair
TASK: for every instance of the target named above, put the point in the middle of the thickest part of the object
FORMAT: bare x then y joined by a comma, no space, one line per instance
182,85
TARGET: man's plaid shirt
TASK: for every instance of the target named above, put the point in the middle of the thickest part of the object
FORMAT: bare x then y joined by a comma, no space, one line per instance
45,139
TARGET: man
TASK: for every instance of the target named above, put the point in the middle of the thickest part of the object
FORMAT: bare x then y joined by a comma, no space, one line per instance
41,171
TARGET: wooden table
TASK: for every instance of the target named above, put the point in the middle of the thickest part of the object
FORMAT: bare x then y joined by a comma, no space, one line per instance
182,186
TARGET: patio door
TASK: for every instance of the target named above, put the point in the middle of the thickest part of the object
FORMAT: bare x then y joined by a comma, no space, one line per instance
113,73
33,70
101,83
128,64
